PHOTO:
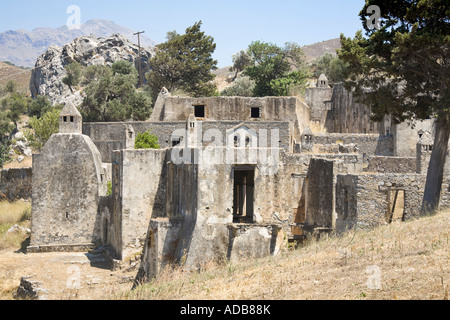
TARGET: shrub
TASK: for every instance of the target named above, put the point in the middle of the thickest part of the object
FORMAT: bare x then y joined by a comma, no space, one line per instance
146,140
243,87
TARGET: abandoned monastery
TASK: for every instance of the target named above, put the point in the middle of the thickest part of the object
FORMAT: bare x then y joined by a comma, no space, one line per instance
235,178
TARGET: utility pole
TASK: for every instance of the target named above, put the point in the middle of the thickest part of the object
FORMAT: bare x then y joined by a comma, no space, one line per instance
140,59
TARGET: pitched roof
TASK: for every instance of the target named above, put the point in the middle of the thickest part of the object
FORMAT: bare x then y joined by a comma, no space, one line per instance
70,110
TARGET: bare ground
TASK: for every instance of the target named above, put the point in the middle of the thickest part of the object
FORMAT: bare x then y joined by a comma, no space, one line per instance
64,276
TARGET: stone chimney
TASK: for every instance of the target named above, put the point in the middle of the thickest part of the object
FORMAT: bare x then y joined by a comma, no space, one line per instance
424,150
70,120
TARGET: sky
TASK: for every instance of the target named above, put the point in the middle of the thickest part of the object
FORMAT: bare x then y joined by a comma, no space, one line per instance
233,24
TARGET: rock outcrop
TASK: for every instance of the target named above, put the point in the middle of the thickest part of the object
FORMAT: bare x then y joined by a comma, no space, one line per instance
23,47
46,78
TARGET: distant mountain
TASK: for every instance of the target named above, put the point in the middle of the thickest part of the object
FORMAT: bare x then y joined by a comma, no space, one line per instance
319,49
23,47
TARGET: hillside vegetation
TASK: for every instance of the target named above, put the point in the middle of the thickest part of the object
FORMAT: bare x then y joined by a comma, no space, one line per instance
408,260
18,75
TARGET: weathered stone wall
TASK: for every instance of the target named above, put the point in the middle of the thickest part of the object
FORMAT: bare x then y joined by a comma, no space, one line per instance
109,137
254,241
67,184
367,144
406,136
16,183
105,213
139,184
362,200
391,165
198,227
319,100
230,108
320,200
235,109
346,203
348,115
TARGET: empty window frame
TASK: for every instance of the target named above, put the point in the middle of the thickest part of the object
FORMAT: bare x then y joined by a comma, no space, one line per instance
176,142
199,111
255,113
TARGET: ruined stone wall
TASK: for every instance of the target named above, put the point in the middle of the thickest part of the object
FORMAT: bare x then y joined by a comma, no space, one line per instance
231,108
319,100
16,183
236,109
320,199
198,227
362,201
368,144
406,136
112,136
348,115
391,165
109,137
139,191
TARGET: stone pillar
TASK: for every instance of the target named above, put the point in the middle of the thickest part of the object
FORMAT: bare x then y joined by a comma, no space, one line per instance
424,150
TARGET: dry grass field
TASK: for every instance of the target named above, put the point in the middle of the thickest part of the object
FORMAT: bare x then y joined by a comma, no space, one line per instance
18,75
402,261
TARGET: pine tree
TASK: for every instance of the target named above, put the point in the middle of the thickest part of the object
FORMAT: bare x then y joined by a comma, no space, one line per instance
403,66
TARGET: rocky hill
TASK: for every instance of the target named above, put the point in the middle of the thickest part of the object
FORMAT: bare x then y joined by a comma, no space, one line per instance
23,47
319,49
46,77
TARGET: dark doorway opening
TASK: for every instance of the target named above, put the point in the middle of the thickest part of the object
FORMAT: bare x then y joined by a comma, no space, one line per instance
396,206
244,191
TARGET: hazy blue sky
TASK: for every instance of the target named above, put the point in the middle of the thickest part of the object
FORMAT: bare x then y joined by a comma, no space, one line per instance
234,24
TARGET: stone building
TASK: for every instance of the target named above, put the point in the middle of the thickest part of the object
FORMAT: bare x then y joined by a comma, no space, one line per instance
236,178
68,181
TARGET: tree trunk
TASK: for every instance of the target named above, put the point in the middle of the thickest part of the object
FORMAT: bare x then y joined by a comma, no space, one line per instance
433,186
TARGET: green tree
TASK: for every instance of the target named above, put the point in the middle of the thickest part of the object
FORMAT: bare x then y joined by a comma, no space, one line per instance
146,140
6,128
4,154
111,94
334,68
270,62
15,105
292,84
241,60
11,87
43,128
403,67
39,106
74,75
184,62
242,87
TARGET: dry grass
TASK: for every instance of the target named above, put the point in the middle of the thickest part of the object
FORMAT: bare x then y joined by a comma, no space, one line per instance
16,74
26,163
10,214
409,261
